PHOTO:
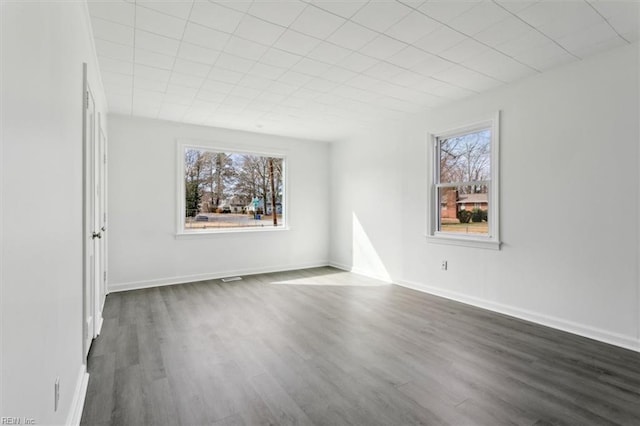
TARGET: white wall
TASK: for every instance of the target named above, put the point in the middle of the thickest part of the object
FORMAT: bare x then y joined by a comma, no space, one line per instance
143,249
366,200
569,194
43,46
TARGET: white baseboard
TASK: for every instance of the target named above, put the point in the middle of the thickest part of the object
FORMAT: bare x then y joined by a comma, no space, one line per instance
77,403
546,320
359,271
137,285
99,325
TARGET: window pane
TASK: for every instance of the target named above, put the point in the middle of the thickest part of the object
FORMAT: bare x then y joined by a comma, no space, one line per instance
226,190
466,158
464,209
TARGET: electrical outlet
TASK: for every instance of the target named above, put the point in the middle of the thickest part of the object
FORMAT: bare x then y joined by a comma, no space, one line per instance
444,265
56,394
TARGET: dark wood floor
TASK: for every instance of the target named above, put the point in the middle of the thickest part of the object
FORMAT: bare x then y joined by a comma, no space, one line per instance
322,346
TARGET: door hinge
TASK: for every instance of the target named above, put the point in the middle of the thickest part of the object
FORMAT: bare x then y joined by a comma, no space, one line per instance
105,276
86,99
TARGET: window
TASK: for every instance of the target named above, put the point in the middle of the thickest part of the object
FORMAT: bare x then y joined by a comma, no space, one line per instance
221,190
464,184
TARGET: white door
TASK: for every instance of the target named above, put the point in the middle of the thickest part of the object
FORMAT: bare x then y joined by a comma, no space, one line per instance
98,227
102,220
89,127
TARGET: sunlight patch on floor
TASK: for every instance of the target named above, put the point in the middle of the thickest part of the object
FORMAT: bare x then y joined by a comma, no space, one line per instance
336,279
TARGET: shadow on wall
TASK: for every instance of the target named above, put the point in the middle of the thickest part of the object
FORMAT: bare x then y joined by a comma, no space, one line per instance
364,257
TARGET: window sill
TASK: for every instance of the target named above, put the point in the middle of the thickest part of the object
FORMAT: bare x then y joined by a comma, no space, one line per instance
477,242
211,233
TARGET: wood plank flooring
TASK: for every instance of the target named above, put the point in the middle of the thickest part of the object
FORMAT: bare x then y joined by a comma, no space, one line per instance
326,347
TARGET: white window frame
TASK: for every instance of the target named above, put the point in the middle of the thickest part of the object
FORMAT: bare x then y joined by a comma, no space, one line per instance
490,241
182,145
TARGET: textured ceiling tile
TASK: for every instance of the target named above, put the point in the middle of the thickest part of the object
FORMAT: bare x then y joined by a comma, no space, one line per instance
159,23
234,63
499,66
114,50
267,71
217,86
352,36
466,78
151,73
579,18
117,80
407,78
338,74
545,56
155,43
515,6
464,50
214,16
628,26
527,41
226,76
382,47
294,78
503,31
311,67
413,27
591,39
280,58
255,82
409,57
143,83
245,48
277,12
317,23
257,30
297,43
479,17
446,10
192,68
346,8
357,62
440,40
205,37
321,85
178,8
199,54
114,11
329,53
282,88
186,80
239,5
383,70
152,59
432,65
379,16
609,8
113,32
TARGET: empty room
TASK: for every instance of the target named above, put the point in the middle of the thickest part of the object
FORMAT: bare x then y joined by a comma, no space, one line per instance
320,212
